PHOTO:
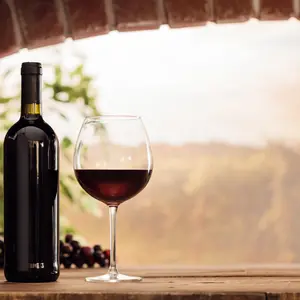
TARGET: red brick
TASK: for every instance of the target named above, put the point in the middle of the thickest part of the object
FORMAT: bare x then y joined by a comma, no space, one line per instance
181,13
8,44
86,18
276,9
232,10
136,15
39,21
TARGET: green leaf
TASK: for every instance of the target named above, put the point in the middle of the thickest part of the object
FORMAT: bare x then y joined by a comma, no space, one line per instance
5,127
5,99
63,116
4,114
66,143
77,71
48,85
8,72
58,72
72,178
59,112
69,230
66,190
83,192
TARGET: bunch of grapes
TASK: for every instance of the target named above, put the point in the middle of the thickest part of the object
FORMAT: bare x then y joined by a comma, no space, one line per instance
1,254
71,253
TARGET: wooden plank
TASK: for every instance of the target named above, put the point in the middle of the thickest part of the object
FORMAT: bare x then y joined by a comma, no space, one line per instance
283,296
233,283
278,270
101,296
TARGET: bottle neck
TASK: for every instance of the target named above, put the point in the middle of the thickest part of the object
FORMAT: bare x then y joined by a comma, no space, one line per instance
31,96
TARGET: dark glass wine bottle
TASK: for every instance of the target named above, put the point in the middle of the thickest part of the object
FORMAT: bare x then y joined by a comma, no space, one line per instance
31,189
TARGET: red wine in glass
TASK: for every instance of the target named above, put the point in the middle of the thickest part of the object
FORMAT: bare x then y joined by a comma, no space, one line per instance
113,187
113,163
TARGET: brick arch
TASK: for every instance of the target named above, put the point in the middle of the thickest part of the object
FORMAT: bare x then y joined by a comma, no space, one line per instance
37,23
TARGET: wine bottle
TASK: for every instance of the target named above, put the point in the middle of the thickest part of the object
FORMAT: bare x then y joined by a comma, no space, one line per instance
31,189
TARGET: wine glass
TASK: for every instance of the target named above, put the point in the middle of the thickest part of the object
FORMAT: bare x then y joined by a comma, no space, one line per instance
113,163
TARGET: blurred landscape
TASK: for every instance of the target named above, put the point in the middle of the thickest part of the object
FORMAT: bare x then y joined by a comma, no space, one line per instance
209,204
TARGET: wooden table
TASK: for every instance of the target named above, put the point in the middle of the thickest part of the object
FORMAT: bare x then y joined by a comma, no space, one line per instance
236,283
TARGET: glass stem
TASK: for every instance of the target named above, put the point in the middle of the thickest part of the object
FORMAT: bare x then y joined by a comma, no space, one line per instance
112,220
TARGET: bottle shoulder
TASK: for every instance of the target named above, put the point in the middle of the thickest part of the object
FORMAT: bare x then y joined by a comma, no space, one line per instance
31,128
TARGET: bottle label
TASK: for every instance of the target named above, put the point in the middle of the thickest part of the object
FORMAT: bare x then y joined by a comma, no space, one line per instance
36,266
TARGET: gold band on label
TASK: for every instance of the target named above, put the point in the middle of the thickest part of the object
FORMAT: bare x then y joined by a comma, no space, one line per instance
32,109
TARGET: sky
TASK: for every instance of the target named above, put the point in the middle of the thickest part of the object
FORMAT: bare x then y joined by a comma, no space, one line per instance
237,83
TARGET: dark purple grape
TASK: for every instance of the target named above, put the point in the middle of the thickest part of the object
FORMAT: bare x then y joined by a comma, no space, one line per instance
1,247
99,258
106,254
87,255
76,246
67,263
69,238
66,255
66,249
1,254
78,261
107,257
97,248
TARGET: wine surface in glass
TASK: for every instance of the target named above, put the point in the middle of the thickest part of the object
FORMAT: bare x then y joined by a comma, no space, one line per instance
113,186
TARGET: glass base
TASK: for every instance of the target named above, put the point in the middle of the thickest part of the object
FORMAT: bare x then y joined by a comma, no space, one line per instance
113,277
